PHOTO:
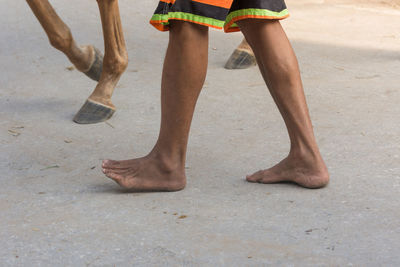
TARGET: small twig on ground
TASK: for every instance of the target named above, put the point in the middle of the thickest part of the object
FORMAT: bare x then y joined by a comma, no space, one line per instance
109,124
50,167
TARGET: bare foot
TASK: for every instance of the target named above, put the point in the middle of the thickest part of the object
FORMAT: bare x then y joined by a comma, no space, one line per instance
304,171
145,174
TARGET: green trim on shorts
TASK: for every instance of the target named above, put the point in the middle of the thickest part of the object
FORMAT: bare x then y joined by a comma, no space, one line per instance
255,12
164,19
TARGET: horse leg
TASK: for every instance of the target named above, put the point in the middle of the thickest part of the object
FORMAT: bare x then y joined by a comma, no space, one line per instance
242,58
86,59
99,107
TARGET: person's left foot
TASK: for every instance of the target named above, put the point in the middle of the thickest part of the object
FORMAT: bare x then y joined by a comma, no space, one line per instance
149,173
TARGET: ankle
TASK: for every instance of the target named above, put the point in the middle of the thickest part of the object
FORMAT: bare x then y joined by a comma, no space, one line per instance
168,162
308,155
308,159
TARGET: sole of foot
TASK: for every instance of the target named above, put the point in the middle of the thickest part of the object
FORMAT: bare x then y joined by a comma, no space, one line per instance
310,183
240,59
93,112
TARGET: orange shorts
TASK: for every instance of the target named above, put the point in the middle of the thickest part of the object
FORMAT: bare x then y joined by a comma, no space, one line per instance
216,13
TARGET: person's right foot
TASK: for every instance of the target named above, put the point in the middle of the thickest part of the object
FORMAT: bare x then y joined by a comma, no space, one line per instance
146,174
306,171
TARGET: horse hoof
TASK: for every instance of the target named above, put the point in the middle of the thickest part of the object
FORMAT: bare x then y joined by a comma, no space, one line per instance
94,72
240,59
93,112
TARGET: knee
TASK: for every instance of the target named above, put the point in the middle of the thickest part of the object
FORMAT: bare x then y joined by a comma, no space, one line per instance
61,40
116,65
187,30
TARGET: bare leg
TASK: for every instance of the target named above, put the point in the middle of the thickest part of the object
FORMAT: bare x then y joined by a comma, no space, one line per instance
278,64
184,72
99,107
60,35
242,58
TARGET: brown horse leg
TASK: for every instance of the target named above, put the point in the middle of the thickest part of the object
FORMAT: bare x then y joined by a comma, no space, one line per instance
242,58
60,37
99,107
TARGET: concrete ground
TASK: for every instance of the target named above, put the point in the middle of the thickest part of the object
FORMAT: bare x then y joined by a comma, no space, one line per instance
58,209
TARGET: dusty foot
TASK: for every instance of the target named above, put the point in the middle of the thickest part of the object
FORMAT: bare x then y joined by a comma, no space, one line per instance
306,172
145,174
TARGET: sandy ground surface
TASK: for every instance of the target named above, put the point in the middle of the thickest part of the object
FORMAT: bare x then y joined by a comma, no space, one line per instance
56,207
365,3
